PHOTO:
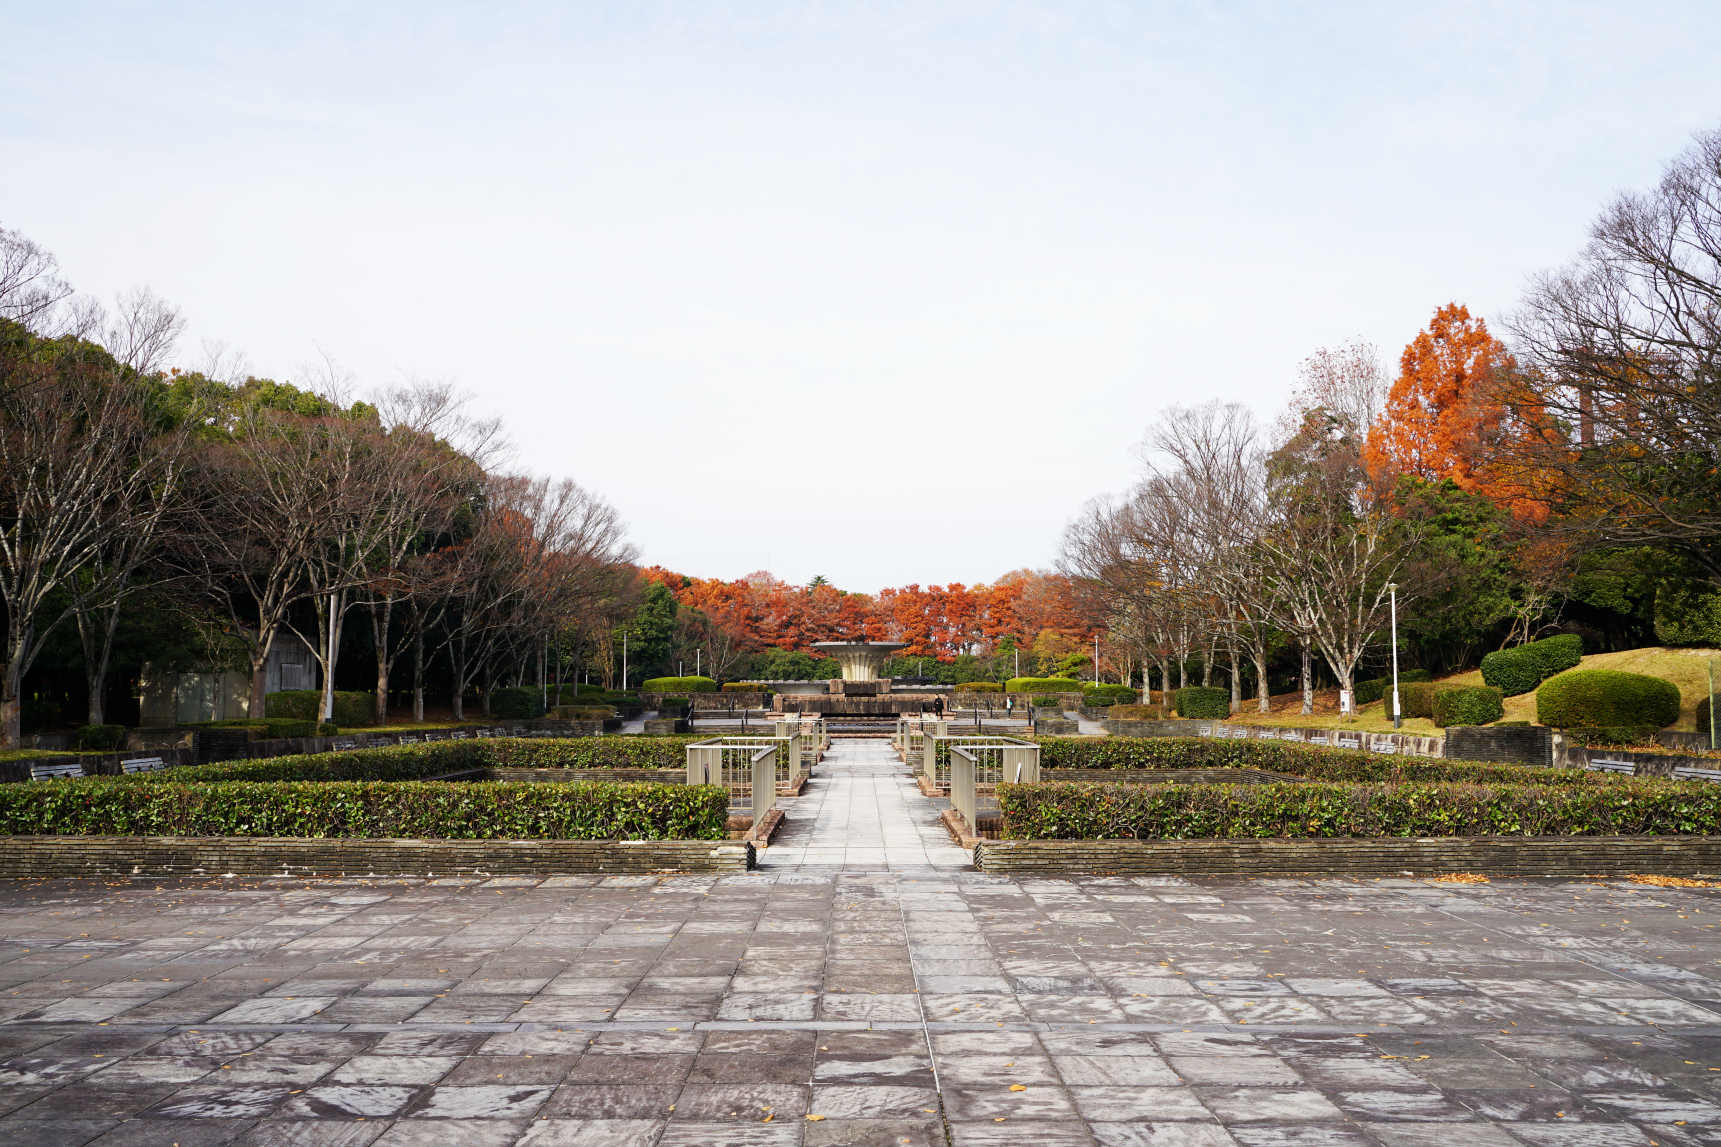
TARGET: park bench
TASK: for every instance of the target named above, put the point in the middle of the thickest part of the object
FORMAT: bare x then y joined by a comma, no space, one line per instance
461,734
55,770
1686,773
1350,742
1624,767
411,738
142,765
344,745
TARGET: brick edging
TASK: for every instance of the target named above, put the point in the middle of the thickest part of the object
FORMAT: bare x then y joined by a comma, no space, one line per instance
39,857
1383,856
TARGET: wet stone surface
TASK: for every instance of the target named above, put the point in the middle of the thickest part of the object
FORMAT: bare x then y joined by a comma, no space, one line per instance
841,996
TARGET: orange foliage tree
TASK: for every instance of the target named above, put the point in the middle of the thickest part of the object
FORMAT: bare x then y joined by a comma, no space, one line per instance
1443,413
940,621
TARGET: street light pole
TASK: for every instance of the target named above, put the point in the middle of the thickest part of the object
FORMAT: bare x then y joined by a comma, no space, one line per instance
1397,710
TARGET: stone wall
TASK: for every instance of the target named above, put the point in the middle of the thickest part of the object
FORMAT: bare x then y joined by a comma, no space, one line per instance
1507,744
42,857
1393,856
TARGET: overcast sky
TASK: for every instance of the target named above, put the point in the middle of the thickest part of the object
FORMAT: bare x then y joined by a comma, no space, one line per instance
881,291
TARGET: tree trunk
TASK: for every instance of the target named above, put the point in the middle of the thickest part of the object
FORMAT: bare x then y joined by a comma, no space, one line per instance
98,651
1236,679
418,678
11,703
381,614
1308,681
457,662
1264,699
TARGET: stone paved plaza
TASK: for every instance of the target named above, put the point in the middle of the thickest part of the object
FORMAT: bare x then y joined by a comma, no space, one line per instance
863,987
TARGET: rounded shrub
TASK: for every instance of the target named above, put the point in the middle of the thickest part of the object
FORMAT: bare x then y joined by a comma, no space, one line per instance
1467,705
1044,700
1555,654
1202,702
1598,698
1511,671
100,738
979,687
516,704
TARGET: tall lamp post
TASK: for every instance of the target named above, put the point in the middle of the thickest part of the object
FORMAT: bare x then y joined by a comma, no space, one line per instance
1397,710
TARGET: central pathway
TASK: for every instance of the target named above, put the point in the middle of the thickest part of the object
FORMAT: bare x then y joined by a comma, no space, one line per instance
861,811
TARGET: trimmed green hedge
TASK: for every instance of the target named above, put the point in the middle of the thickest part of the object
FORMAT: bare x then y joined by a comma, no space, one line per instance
1366,692
1088,811
1314,763
1518,670
1511,671
1202,702
1139,713
352,710
1468,705
745,687
1555,654
513,703
679,685
1042,685
408,762
268,728
1596,698
478,810
979,687
1616,735
100,738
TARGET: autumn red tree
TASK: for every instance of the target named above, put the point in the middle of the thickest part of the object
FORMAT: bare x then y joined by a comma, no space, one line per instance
1444,415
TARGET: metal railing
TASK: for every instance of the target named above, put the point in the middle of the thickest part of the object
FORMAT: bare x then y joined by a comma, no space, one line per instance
748,767
992,763
976,771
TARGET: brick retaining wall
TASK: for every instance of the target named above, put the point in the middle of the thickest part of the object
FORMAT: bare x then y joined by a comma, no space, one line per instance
1512,744
43,857
1489,855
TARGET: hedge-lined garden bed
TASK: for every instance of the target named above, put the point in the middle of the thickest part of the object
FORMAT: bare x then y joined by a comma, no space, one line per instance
1315,763
430,810
1052,810
382,792
410,762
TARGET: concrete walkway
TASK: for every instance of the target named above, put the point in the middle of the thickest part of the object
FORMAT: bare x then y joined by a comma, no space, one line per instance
862,812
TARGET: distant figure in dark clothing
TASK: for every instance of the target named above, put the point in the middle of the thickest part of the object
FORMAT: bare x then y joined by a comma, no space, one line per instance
938,707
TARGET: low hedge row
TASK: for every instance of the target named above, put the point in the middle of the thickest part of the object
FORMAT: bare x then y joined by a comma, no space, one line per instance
1202,702
1597,698
479,810
1042,685
1375,688
1140,712
979,687
352,710
408,762
1088,811
679,685
1317,764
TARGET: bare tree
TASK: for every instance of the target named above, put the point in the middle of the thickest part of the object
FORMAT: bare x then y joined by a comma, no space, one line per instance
538,548
435,456
79,467
30,286
1334,545
263,506
1619,407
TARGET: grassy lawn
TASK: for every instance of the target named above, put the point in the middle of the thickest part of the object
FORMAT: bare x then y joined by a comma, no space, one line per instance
1686,668
31,754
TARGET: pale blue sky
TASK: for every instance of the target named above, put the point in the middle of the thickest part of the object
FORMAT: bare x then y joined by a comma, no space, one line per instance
881,291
